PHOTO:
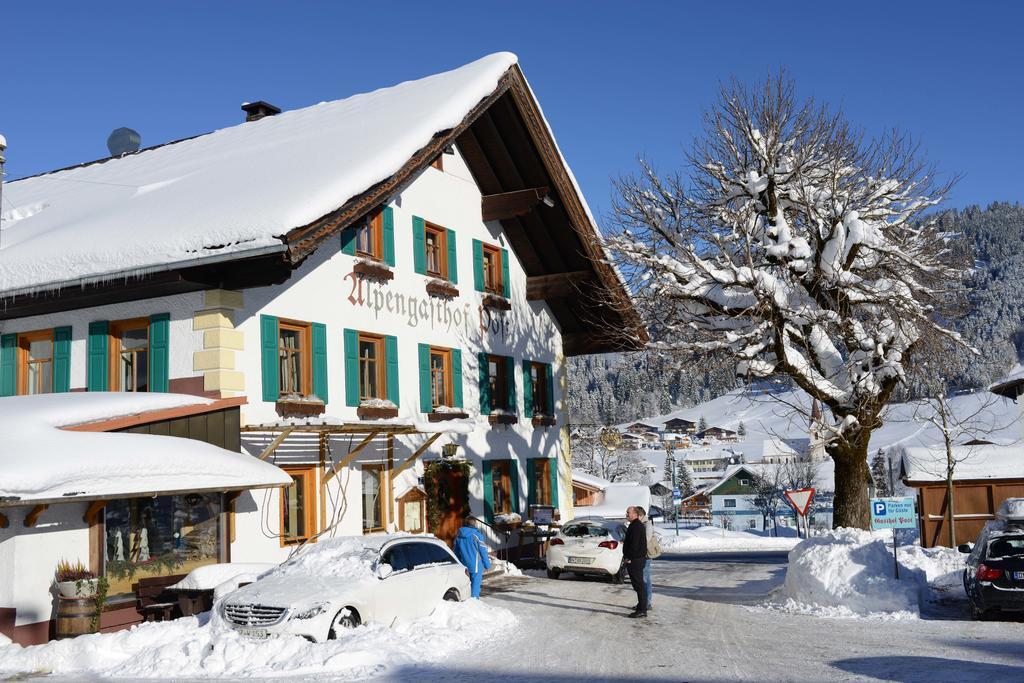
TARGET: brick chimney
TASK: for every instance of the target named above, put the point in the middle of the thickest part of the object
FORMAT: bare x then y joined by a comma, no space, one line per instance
254,111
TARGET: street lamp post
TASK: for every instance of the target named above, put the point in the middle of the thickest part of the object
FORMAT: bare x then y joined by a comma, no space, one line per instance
670,449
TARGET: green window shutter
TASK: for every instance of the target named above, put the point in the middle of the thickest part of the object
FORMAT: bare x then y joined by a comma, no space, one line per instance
506,283
531,483
550,379
391,358
351,368
388,220
8,365
510,382
553,471
268,358
62,359
419,245
513,477
320,361
457,377
527,391
426,404
485,386
348,242
453,262
159,351
478,265
488,492
97,370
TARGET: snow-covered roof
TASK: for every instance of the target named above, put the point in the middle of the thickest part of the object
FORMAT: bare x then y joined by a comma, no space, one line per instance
42,462
238,189
617,497
928,464
1009,386
590,480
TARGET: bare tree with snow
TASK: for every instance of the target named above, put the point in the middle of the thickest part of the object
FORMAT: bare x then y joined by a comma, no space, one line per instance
797,249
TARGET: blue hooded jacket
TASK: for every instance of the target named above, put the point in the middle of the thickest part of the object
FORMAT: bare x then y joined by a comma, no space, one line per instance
471,549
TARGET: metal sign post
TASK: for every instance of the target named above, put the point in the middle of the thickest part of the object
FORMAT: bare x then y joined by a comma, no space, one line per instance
670,449
893,513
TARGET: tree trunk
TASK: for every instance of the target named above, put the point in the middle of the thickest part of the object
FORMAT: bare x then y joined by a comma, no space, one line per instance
852,476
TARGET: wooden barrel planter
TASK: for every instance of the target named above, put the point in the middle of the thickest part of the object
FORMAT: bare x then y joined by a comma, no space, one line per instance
74,616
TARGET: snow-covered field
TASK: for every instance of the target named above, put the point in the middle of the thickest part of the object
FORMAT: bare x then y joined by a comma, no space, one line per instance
708,539
202,647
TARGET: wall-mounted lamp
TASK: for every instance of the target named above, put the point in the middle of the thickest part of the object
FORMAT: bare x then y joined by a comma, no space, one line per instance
449,450
548,201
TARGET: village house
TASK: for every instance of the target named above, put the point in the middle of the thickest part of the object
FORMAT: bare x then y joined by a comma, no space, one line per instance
382,291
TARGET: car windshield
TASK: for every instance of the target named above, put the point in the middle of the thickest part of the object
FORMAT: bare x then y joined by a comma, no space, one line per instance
585,531
1006,546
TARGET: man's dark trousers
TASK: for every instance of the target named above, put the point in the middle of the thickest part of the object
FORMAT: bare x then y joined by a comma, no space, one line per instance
636,577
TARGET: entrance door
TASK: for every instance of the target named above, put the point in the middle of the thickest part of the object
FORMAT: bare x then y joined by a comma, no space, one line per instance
456,485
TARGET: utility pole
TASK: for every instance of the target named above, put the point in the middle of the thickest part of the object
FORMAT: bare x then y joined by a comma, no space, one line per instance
670,449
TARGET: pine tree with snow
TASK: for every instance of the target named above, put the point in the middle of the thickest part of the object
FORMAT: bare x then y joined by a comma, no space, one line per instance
741,429
880,474
799,250
667,474
684,482
702,424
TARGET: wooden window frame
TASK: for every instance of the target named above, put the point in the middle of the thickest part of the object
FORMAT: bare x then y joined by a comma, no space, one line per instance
496,285
381,470
117,328
449,388
501,382
309,484
540,388
375,224
381,369
305,331
501,475
542,473
24,342
441,235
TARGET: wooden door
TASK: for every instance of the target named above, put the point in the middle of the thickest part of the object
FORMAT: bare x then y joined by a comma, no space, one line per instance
450,517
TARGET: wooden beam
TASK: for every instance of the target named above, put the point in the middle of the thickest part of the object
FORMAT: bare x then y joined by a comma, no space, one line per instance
230,498
557,286
498,207
3,521
33,516
93,511
419,451
275,443
391,479
351,455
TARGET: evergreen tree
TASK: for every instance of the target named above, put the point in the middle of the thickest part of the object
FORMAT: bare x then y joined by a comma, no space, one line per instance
667,474
880,473
684,482
741,429
702,424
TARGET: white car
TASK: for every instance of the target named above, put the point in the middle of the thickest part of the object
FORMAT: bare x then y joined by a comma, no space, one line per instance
340,583
588,545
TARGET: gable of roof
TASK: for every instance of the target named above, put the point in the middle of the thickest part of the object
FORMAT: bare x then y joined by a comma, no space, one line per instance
170,218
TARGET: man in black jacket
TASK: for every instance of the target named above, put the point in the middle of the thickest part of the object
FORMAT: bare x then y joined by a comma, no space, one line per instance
634,553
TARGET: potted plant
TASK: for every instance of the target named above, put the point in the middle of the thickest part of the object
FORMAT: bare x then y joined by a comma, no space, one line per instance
74,580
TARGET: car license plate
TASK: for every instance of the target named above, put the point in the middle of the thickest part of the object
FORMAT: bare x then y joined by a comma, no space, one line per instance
1018,576
581,560
260,633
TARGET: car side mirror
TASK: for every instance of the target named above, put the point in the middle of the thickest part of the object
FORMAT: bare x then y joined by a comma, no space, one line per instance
965,547
384,570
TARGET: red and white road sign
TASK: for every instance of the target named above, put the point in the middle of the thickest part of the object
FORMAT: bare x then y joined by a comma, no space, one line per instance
800,499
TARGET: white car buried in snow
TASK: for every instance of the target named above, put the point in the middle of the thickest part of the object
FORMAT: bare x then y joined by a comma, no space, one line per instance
588,545
340,583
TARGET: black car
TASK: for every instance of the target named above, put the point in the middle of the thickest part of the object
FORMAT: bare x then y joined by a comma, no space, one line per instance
994,577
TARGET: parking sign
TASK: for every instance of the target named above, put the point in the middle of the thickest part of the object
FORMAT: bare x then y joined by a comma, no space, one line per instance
893,513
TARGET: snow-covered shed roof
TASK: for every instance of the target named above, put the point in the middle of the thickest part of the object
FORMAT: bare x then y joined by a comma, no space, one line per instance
589,480
271,191
42,460
1010,385
923,464
617,497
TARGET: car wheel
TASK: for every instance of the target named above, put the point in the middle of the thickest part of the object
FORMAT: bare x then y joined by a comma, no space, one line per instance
452,595
553,574
346,619
619,576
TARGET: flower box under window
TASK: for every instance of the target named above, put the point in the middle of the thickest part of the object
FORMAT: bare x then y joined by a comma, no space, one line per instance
299,406
376,409
443,415
544,420
441,288
496,302
373,270
502,418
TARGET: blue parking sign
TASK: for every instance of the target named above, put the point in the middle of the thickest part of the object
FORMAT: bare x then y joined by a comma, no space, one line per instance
893,513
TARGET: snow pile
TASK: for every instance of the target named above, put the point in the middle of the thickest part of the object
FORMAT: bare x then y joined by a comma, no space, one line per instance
200,647
849,572
943,569
210,576
337,558
503,568
1011,508
709,539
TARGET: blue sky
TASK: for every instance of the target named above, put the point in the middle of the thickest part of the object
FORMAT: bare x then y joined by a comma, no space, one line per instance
616,80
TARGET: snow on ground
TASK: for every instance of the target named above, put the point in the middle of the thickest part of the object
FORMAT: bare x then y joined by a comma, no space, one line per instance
708,539
203,647
850,573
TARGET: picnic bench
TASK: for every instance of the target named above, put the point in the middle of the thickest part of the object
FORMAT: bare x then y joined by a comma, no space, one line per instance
152,599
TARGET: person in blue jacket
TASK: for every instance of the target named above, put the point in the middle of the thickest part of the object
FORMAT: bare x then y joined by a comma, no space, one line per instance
471,549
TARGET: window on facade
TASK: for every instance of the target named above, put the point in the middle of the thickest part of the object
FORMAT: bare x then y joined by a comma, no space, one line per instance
492,270
373,498
539,380
35,362
161,536
541,483
744,482
730,502
298,505
501,483
294,361
371,367
497,379
130,351
440,377
370,237
437,251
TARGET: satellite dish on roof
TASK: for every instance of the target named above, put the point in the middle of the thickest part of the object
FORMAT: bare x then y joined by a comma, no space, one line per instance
123,141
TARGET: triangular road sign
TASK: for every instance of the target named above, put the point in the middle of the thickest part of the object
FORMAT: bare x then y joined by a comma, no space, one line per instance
800,499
